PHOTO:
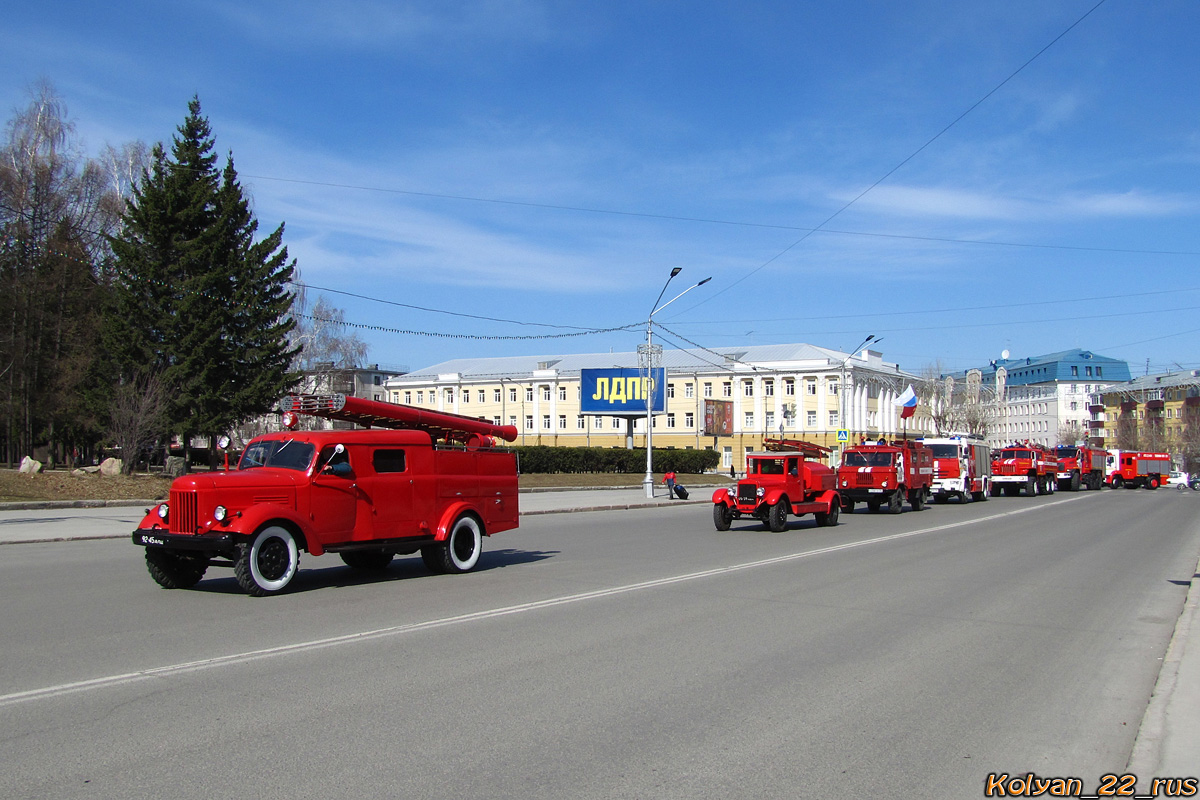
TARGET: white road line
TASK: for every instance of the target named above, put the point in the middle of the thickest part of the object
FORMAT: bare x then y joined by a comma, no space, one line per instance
50,692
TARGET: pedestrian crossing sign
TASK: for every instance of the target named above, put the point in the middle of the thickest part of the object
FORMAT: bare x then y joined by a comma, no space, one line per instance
843,435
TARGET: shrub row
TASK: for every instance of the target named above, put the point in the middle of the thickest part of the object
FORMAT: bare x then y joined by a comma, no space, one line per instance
544,459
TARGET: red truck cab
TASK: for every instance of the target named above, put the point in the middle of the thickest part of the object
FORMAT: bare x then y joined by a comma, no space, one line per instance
367,495
962,468
1079,467
888,474
785,480
1026,466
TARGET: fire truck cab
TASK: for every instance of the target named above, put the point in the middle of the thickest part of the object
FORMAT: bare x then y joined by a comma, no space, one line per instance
886,474
1025,466
1080,467
1131,469
436,485
784,480
962,468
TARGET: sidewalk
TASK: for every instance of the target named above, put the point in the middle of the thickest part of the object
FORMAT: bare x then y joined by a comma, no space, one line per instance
1168,739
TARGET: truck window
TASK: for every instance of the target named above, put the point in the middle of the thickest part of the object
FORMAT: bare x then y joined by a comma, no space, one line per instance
388,461
281,454
944,450
768,466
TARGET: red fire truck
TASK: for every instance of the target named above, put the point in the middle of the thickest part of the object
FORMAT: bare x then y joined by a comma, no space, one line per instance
1027,466
1080,467
784,480
1132,469
415,480
886,474
962,468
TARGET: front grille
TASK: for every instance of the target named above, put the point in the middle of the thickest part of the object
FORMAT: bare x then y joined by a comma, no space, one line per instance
747,493
863,479
182,516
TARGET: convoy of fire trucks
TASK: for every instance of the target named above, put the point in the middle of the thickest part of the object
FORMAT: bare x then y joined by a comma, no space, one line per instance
410,480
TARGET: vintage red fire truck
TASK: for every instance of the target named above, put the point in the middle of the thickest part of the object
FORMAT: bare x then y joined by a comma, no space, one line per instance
1080,467
784,480
886,474
414,480
1027,466
1134,469
962,468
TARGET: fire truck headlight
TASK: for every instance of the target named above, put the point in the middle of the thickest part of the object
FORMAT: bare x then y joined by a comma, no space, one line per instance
162,510
219,513
885,484
760,491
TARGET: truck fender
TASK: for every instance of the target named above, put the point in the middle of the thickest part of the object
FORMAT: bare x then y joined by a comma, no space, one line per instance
723,496
451,514
774,496
830,498
257,516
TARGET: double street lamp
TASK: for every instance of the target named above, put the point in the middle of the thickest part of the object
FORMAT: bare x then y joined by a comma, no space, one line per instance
845,417
648,481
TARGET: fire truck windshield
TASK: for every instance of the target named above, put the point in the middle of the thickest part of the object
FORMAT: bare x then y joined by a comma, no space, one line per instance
1067,452
856,459
944,450
285,454
1016,454
768,466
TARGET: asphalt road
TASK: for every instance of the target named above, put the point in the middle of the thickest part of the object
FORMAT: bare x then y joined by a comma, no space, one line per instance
631,654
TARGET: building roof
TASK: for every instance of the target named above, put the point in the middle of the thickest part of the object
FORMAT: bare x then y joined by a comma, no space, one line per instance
1054,367
1164,380
745,358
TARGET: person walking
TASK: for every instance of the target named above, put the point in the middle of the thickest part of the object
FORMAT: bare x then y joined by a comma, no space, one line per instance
669,480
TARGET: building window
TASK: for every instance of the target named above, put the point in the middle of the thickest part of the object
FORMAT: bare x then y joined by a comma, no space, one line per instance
748,388
512,420
727,389
810,387
833,419
579,422
833,387
1099,372
689,420
466,395
749,422
670,420
529,422
599,423
1074,372
379,380
689,390
789,387
512,394
408,398
449,397
670,391
483,396
496,420
562,422
708,390
546,393
812,419
420,397
545,422
562,393
769,420
1088,370
529,394
768,388
495,395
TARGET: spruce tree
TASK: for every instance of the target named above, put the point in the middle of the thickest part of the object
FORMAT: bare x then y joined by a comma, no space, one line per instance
200,303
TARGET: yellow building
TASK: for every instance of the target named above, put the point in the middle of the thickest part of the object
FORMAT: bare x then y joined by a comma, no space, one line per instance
794,390
1155,408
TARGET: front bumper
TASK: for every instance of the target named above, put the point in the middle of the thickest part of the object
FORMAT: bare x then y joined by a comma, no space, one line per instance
156,537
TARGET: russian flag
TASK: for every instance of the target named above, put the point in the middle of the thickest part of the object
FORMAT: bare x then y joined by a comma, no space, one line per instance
907,403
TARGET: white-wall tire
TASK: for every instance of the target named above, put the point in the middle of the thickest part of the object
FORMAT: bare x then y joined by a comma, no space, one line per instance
269,562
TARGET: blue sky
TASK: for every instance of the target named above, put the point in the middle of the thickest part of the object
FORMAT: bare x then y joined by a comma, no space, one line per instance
549,163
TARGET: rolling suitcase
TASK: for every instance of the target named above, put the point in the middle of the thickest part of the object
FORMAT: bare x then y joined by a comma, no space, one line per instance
681,492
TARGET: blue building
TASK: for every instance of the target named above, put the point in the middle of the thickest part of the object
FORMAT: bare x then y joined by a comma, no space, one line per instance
1044,398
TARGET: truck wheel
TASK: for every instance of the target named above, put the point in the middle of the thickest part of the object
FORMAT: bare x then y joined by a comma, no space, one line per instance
1152,482
368,560
1075,481
979,497
460,552
268,564
896,502
777,516
916,499
174,570
995,489
830,519
1031,487
1118,482
722,516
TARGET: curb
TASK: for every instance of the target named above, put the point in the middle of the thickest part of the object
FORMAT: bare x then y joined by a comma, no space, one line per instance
36,505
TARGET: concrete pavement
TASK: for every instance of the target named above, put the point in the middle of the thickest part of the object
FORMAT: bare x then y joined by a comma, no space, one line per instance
1168,740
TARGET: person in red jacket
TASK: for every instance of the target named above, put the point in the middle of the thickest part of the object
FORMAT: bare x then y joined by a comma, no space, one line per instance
669,480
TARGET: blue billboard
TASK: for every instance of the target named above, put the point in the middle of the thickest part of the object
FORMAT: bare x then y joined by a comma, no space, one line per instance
621,392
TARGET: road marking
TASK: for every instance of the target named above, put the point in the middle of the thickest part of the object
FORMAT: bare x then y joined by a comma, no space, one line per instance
62,689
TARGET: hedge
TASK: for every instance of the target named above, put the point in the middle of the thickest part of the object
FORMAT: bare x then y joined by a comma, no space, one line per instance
544,459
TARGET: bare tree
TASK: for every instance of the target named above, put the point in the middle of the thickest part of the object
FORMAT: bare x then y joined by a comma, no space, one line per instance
136,417
1069,433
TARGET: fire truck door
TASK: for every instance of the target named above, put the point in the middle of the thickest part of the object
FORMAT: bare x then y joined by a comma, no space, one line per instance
333,501
388,494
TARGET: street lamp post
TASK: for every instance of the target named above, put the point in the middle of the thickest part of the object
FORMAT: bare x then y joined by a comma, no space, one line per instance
648,481
842,402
